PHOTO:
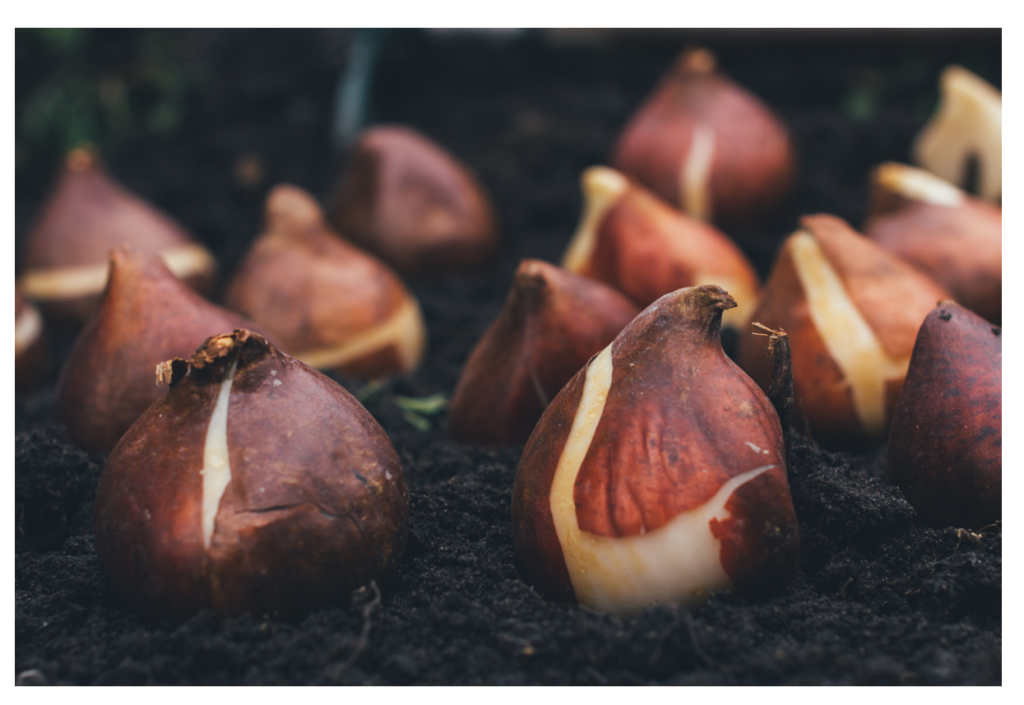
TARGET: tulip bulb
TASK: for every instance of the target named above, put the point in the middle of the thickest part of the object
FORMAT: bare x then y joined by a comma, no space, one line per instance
411,203
255,484
145,317
851,310
658,473
86,215
631,240
332,305
707,146
946,443
552,324
954,238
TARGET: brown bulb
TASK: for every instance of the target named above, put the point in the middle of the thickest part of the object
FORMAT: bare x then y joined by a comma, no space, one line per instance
658,474
552,324
968,125
952,237
255,484
30,358
87,214
707,146
631,240
411,203
851,311
330,304
946,443
146,316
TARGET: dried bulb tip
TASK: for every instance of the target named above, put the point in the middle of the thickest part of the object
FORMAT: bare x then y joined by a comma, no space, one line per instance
81,158
697,61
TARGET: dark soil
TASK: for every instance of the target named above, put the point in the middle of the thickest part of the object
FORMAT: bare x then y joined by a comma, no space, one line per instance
878,599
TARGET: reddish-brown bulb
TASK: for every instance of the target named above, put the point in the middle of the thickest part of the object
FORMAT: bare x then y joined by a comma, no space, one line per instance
146,316
330,304
946,443
86,215
707,146
552,323
411,203
658,473
256,484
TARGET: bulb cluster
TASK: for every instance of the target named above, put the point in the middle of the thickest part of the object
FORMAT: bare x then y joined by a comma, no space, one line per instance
655,469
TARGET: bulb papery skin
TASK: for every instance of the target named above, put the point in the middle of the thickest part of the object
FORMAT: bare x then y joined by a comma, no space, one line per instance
333,306
851,311
86,215
953,237
707,146
407,200
945,446
553,322
631,240
658,473
256,484
146,316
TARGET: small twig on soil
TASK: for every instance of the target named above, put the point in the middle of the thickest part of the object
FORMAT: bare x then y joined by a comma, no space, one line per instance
364,637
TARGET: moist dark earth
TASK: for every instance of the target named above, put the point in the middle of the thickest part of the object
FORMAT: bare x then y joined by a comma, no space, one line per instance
878,599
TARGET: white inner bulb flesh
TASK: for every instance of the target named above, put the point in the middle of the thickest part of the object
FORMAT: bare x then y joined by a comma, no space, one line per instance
27,328
695,195
919,185
847,336
61,283
679,562
602,189
404,330
216,470
969,122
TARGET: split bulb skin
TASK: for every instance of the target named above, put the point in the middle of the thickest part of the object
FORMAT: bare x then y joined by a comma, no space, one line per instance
30,358
945,446
411,203
333,306
146,316
633,241
88,214
967,125
658,473
954,238
707,146
552,324
851,310
279,495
